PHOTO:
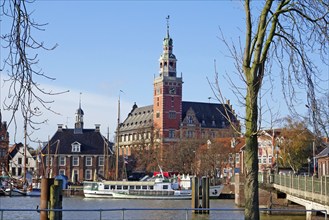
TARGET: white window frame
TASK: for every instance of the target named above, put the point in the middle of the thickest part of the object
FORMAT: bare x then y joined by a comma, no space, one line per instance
62,160
89,161
75,162
171,133
76,147
101,161
61,172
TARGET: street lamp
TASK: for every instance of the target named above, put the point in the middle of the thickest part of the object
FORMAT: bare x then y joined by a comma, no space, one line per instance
309,166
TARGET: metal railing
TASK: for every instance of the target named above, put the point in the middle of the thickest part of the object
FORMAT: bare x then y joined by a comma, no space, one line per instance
187,212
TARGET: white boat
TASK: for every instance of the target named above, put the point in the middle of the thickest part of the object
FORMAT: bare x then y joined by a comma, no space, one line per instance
154,188
15,192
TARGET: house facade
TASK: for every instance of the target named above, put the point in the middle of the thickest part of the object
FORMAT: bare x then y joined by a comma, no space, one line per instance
323,162
170,119
18,162
78,153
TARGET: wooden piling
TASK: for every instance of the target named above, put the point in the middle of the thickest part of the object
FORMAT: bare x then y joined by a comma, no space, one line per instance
44,197
55,200
205,194
195,194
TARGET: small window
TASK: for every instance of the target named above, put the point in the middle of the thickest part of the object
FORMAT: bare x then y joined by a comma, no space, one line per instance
189,119
62,161
172,115
132,187
62,172
125,187
158,115
101,161
138,187
76,147
119,187
171,133
88,174
19,161
106,186
75,161
89,161
165,187
151,187
144,187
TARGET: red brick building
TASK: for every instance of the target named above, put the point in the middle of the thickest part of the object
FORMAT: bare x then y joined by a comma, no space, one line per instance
4,145
78,153
170,119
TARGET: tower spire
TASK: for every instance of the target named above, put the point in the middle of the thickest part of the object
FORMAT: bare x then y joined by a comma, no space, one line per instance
167,18
80,100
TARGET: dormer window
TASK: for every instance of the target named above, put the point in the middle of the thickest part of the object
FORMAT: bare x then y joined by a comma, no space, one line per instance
76,147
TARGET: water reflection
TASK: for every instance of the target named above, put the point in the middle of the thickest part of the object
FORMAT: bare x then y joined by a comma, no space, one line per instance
84,203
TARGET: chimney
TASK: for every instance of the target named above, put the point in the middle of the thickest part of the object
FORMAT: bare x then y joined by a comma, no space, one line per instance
60,127
97,127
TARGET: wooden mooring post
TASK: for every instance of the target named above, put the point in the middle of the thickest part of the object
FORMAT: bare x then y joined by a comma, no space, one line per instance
204,195
51,198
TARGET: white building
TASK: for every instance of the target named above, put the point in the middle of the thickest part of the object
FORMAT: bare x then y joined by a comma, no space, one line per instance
17,161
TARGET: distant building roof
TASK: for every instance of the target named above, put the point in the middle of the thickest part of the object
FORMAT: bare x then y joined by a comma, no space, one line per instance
91,142
208,114
324,152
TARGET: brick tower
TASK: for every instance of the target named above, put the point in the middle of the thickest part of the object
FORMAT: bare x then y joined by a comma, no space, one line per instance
167,100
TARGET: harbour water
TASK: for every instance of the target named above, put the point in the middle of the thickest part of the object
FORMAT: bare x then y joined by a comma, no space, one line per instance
84,203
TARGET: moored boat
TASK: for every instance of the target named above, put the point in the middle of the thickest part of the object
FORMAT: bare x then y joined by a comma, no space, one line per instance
157,187
15,192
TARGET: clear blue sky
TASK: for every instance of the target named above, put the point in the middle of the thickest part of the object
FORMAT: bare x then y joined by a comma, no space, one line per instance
108,46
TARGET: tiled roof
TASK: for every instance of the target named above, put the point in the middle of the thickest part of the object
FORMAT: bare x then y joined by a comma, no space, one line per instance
324,153
209,113
138,118
92,142
14,149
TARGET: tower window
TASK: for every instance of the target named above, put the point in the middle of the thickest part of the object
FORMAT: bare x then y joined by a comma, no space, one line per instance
171,133
172,115
158,115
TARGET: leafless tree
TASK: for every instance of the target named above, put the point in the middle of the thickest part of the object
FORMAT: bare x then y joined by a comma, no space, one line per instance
21,64
282,37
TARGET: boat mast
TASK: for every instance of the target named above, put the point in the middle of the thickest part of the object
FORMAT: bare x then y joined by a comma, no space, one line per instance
25,137
106,154
118,138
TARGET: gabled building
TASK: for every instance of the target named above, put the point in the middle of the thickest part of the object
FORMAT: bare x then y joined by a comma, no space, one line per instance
18,162
170,119
323,161
4,145
78,153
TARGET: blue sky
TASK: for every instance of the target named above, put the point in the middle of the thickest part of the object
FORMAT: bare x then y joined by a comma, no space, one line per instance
108,46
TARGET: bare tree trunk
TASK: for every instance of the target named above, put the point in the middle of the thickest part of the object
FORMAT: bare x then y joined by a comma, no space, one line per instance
251,156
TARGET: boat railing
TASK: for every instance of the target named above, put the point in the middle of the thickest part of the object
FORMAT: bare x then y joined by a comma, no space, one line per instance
130,213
